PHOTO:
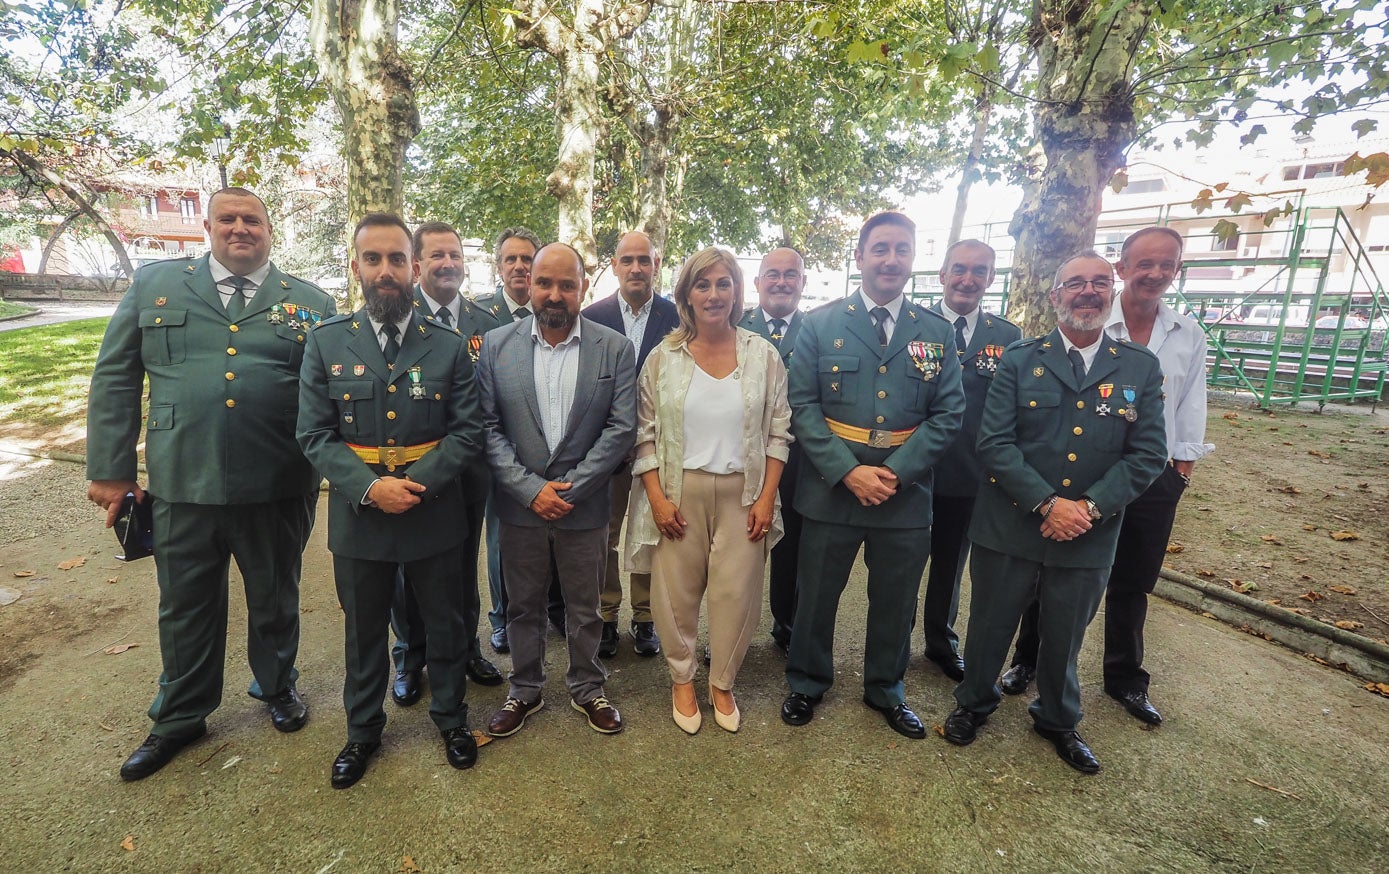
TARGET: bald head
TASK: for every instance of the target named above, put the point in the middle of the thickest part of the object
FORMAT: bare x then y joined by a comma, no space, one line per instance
780,281
635,264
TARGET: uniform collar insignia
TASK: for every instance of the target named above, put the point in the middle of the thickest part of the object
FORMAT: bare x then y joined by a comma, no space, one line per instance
356,326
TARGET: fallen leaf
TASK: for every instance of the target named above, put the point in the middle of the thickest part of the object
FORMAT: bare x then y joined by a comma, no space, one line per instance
128,843
1230,416
1379,688
1174,548
1363,486
1271,538
1348,624
1266,565
1309,527
8,596
408,866
114,580
1300,611
1344,535
939,729
1275,602
1291,490
71,563
117,649
1289,443
1317,453
1342,590
24,573
1243,587
1299,559
1312,595
482,737
1307,577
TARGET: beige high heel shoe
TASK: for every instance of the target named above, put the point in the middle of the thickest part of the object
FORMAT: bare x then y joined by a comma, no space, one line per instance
688,724
727,721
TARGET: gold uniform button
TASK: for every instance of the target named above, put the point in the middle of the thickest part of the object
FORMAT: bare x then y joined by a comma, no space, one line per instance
299,337
347,396
1065,482
438,397
993,479
882,394
1077,430
391,389
834,368
231,350
882,369
230,403
159,321
390,441
1071,457
1080,405
233,328
390,414
880,420
1032,403
230,376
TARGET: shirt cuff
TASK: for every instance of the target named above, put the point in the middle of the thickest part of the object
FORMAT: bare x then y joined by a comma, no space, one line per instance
1192,451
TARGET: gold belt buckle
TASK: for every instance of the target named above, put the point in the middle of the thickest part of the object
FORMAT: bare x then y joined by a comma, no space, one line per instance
391,456
879,439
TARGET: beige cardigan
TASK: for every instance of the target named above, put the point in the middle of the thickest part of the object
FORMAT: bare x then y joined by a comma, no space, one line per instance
661,393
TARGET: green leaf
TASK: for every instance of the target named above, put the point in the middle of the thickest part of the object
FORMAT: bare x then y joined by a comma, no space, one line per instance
1238,202
1364,127
1225,230
1255,132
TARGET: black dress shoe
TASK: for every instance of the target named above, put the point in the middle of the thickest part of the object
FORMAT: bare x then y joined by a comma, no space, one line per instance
949,663
644,639
901,720
461,747
962,725
405,690
1017,678
155,753
287,710
499,642
607,644
483,672
799,709
1138,706
351,763
1071,749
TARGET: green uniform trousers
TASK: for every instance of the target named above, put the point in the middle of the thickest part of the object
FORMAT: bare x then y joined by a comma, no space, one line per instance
193,548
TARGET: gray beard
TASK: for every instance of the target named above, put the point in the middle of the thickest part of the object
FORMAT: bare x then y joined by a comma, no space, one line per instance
386,309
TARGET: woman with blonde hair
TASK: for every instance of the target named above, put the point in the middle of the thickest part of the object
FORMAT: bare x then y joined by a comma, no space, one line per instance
713,428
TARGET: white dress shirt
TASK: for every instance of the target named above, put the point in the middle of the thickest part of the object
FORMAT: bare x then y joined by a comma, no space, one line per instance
222,276
556,371
634,322
971,319
894,309
1180,345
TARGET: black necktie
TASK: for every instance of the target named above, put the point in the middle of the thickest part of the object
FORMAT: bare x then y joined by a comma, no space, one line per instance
445,317
778,327
960,336
392,348
1077,365
237,305
521,313
879,315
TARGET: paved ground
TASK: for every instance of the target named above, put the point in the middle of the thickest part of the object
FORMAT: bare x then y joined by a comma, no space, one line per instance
1268,762
52,312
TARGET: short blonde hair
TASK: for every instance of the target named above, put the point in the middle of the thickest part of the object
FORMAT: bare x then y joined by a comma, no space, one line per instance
695,265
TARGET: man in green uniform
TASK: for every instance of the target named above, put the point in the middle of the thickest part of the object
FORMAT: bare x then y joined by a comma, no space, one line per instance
515,252
875,402
980,339
780,281
1072,432
388,412
439,253
220,339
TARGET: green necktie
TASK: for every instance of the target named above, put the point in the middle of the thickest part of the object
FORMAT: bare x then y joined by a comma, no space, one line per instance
392,348
237,305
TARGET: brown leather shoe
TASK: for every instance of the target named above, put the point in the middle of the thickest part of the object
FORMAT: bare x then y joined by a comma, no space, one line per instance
508,720
602,715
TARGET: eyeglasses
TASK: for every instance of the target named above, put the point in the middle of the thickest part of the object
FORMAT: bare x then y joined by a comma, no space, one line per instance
777,275
1074,285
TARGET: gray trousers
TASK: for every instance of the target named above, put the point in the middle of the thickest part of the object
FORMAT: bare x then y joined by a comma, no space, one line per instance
1002,588
579,558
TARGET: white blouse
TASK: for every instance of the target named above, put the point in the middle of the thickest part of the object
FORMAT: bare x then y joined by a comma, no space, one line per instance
714,423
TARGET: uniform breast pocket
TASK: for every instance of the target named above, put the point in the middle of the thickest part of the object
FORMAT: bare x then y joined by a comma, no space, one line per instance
162,340
435,396
292,342
920,390
1037,414
838,378
355,400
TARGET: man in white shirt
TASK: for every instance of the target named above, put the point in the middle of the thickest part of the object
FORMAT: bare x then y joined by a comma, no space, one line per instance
1148,263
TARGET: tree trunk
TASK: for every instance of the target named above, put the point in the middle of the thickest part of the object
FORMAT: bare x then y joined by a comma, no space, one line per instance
355,42
43,176
53,240
969,170
1085,121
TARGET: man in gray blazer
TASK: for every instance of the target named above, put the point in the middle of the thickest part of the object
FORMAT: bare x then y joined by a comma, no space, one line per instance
559,403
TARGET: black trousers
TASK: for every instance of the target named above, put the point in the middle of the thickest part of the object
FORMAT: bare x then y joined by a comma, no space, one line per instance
781,584
409,651
949,548
1143,537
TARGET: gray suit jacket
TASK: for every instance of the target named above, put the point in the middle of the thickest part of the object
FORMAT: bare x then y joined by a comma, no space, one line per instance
599,434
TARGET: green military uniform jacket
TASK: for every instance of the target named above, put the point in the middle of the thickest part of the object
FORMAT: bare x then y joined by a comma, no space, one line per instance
223,393
1042,434
840,372
753,321
494,305
349,395
958,473
473,323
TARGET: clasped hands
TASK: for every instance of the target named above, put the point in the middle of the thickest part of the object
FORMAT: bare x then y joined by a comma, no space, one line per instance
871,484
548,505
394,495
1067,520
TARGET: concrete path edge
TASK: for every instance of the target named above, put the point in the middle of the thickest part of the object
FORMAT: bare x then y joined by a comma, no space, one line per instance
1339,648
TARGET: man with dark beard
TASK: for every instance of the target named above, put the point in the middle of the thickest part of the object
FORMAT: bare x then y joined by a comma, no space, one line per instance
1072,432
388,414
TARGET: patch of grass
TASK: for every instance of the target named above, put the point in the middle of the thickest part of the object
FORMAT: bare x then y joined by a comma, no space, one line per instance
45,372
13,309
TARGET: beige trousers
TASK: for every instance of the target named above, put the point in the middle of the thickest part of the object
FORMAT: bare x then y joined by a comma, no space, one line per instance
716,556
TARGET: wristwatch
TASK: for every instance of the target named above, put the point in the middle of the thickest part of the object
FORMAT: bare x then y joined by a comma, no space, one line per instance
1093,509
